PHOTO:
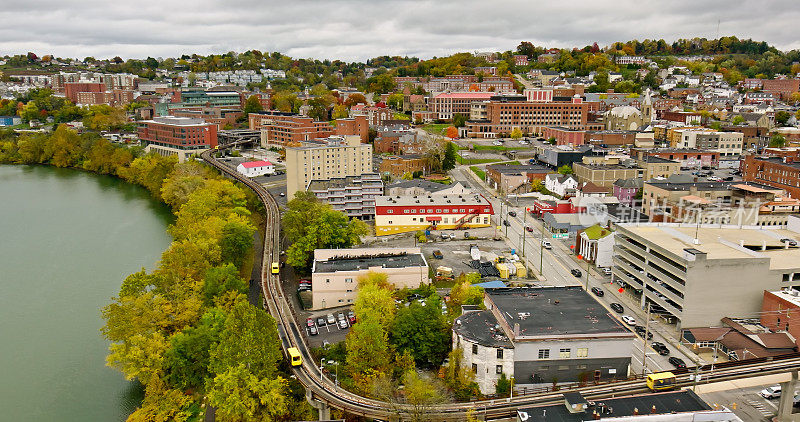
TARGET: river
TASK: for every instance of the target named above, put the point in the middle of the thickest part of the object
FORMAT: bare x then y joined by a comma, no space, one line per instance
67,240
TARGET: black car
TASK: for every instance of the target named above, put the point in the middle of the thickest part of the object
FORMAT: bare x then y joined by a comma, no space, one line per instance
506,223
322,322
617,307
641,332
660,348
512,213
677,362
598,291
790,242
576,272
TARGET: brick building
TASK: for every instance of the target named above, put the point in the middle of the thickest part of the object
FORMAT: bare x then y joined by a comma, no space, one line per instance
279,128
505,116
220,116
780,311
448,104
396,166
72,89
781,87
114,97
179,136
685,117
780,172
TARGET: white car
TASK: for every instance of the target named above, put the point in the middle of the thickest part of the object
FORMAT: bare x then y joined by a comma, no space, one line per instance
629,320
546,244
771,392
497,143
607,271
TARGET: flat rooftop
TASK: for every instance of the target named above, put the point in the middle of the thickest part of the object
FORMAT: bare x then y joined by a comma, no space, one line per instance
547,311
430,200
349,263
721,241
481,327
706,186
521,168
684,401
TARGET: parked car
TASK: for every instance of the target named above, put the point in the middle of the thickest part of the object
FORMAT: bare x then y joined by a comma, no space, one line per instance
641,331
617,307
677,362
529,229
598,291
547,245
313,330
606,271
331,319
343,324
512,213
790,242
438,254
351,317
340,316
660,348
304,288
771,392
310,322
629,320
321,322
576,272
506,223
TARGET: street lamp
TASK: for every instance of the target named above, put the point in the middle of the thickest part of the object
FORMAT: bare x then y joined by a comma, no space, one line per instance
336,374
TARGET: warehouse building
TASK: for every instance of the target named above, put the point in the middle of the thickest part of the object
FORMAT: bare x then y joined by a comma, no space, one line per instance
402,214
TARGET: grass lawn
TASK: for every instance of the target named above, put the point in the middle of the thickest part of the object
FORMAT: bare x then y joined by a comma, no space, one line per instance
497,148
470,161
401,116
436,128
479,172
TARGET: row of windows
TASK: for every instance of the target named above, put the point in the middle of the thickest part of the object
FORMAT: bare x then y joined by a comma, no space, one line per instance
439,211
565,353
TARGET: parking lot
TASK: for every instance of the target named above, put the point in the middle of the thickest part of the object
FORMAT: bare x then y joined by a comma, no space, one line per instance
330,332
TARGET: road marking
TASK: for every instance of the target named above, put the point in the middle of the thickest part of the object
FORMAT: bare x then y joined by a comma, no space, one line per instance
759,406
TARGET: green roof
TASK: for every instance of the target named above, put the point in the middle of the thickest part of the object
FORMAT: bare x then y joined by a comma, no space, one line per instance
596,232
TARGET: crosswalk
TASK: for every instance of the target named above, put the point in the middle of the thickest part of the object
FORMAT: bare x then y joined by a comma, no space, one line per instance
761,407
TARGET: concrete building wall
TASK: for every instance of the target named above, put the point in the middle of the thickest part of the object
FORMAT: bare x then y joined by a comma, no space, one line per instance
340,288
484,361
351,158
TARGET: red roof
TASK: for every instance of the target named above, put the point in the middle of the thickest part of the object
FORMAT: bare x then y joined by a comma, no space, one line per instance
251,164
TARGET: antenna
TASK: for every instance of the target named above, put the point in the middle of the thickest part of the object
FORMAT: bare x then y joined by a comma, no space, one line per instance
717,29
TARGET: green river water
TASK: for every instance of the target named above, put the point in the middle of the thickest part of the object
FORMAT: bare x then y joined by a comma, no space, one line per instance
67,240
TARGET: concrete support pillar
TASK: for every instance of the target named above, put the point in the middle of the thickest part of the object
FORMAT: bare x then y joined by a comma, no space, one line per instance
785,405
322,407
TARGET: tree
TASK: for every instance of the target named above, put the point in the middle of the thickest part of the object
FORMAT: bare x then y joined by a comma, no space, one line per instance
777,141
252,105
503,386
460,119
395,101
239,395
188,357
460,379
422,392
423,331
516,133
464,293
737,119
354,99
222,279
781,117
452,132
236,242
311,225
450,154
565,169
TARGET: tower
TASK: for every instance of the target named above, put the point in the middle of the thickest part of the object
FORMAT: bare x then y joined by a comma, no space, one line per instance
647,108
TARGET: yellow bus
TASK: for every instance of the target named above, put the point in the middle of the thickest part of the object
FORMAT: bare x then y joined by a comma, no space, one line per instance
275,268
661,381
294,356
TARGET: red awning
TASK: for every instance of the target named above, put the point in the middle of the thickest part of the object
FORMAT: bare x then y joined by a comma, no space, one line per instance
433,218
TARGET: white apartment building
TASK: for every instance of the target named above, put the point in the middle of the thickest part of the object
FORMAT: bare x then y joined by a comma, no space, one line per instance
323,159
726,143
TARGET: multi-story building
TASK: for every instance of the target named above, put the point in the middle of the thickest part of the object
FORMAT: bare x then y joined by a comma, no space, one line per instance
505,116
114,97
179,136
278,128
509,178
780,311
397,166
779,172
781,87
658,167
376,115
685,117
606,175
675,268
352,195
210,98
725,143
333,157
687,157
402,214
450,103
72,89
398,139
220,116
660,196
542,335
335,273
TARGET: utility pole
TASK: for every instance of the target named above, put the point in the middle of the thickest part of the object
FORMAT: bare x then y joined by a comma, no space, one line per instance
524,230
541,246
644,348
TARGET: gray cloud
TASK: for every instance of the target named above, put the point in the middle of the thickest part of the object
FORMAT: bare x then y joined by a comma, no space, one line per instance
360,29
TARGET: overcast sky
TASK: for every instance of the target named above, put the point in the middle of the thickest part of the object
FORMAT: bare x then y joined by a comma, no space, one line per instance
360,29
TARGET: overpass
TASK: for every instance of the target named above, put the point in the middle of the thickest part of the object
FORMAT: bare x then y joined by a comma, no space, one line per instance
323,393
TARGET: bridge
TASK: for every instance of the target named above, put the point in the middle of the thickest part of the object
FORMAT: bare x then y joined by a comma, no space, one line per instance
322,393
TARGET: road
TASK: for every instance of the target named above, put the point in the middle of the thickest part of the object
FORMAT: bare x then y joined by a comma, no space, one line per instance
555,266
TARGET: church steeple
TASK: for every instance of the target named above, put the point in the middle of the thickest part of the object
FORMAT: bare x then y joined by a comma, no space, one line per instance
647,107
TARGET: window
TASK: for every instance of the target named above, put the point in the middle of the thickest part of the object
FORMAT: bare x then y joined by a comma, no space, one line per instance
580,367
498,369
389,211
474,349
564,353
544,368
327,280
475,368
563,367
500,352
349,290
582,352
348,280
544,353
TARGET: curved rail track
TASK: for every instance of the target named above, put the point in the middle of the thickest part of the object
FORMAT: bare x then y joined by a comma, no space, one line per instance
323,389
